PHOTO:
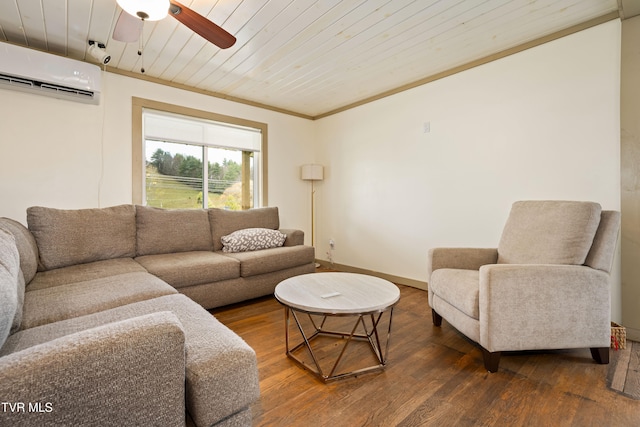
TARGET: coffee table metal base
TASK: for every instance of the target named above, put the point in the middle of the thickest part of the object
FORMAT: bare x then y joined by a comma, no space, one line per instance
369,323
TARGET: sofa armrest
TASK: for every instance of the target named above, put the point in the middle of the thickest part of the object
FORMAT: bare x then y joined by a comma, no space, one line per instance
294,237
123,373
460,258
543,307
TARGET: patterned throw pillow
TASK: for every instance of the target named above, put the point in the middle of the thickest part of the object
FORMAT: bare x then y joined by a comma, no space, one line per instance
252,239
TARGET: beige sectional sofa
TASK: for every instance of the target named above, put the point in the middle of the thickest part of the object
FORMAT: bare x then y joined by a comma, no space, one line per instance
102,319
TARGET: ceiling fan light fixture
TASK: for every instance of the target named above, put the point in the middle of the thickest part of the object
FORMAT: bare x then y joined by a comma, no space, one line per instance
148,10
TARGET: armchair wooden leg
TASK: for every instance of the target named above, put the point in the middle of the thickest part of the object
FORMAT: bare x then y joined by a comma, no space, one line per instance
437,319
491,360
600,355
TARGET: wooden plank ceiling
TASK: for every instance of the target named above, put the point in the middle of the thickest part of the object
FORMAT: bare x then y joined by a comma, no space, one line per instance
302,56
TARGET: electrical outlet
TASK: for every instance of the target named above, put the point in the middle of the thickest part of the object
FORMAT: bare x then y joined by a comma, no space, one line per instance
332,244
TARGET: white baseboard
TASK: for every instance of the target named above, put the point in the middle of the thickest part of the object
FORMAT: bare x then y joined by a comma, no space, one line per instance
633,334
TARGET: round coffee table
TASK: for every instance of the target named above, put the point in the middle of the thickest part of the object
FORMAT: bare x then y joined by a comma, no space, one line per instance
311,299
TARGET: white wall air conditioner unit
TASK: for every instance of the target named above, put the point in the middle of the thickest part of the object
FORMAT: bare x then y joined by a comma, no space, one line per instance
33,71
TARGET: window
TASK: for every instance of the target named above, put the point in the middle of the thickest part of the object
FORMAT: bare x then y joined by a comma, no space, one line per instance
205,160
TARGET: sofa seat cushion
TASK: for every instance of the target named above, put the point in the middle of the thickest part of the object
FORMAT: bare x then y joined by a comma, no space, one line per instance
163,231
84,272
549,232
77,299
221,369
274,259
68,237
460,288
190,268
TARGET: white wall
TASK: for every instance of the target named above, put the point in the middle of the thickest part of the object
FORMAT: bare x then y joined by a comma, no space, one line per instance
63,154
541,124
630,176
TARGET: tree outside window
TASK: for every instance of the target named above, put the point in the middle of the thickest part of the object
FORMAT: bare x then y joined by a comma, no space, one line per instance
193,163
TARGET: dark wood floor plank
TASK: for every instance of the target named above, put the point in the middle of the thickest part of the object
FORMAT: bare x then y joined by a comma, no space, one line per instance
632,383
435,376
619,362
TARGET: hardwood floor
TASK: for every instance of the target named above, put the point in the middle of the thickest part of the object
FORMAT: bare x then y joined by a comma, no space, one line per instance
624,372
434,376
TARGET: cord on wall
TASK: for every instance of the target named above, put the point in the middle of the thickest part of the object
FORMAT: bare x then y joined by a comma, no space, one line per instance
332,246
330,257
102,130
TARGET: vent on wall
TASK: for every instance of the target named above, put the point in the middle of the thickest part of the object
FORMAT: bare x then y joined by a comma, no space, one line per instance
57,91
29,70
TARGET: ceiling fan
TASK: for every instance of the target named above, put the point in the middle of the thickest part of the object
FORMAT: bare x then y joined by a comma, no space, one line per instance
135,12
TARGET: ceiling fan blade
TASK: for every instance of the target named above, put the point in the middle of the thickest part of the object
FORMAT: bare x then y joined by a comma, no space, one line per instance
127,28
201,25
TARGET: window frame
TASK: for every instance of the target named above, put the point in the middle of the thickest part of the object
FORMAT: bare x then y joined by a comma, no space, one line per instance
137,138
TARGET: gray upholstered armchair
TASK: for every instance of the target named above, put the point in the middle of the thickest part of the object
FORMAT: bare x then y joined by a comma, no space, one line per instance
546,286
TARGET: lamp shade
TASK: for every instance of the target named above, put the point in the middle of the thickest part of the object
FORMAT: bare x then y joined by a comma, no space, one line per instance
312,172
149,10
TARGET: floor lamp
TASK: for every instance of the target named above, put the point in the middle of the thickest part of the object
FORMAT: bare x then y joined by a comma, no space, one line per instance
312,172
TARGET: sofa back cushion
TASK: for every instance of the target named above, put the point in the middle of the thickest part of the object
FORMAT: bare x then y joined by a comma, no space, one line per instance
69,237
9,283
549,232
162,231
26,244
224,222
